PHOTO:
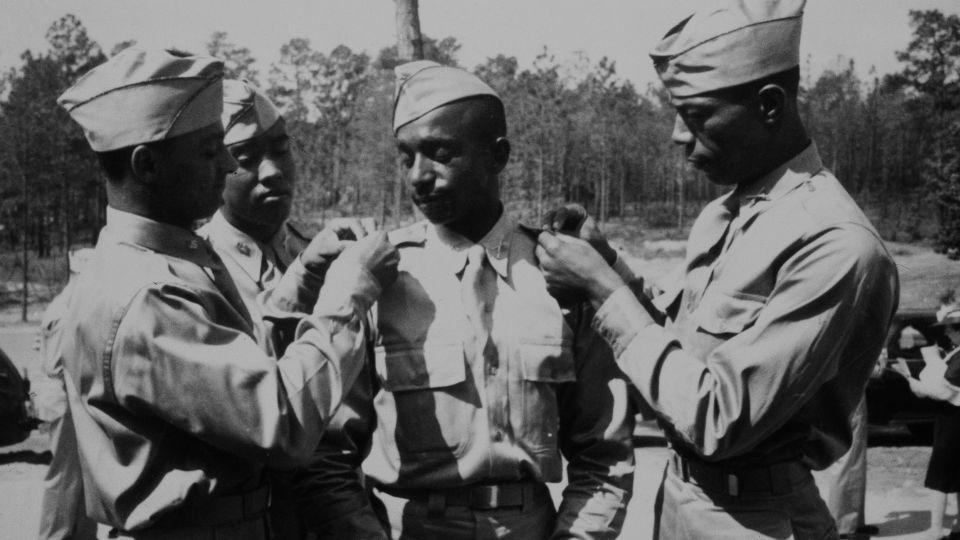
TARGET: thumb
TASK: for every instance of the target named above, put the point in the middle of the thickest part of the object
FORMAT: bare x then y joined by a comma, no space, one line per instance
548,241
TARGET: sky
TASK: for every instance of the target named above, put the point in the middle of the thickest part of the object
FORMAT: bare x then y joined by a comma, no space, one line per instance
866,31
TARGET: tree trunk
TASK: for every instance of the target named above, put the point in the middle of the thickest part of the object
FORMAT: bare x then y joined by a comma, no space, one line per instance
409,47
409,40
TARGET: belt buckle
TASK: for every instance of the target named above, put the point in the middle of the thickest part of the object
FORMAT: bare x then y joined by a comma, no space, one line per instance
493,496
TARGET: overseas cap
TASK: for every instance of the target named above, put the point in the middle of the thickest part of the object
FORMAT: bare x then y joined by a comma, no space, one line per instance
730,43
247,112
424,85
142,96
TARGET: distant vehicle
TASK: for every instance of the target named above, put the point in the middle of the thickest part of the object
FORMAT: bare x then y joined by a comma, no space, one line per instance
15,421
889,398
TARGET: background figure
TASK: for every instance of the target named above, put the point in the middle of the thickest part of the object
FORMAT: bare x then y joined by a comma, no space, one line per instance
63,514
942,364
843,485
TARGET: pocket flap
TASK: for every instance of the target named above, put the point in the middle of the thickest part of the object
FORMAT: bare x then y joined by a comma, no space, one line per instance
430,366
547,362
723,313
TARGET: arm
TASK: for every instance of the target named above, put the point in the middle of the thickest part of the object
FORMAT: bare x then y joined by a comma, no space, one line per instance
596,426
838,286
330,493
330,490
175,361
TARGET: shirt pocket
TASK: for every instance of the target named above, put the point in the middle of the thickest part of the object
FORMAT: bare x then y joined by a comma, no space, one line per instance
725,314
429,388
543,368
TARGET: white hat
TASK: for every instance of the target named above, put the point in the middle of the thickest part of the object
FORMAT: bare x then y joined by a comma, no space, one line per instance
731,43
247,112
424,85
141,96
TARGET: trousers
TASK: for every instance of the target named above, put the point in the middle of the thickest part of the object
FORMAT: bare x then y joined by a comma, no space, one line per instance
686,511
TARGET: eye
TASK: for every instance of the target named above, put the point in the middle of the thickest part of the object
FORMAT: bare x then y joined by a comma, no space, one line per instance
406,159
442,154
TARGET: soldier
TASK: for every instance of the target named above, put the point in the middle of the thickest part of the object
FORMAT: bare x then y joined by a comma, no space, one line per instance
482,379
784,298
177,409
62,513
252,235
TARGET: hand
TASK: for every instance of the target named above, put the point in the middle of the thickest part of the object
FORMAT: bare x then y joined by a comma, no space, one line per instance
573,220
570,263
332,240
899,365
375,253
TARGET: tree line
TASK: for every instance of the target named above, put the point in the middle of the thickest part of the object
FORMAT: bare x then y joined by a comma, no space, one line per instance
580,133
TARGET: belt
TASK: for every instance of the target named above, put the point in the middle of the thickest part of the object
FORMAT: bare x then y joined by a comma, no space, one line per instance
776,479
473,496
211,512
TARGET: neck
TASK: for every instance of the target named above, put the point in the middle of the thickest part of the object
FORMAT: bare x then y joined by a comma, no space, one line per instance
478,224
261,232
783,148
141,204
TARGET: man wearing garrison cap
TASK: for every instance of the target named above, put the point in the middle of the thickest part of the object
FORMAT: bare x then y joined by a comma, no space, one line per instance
483,381
177,408
781,307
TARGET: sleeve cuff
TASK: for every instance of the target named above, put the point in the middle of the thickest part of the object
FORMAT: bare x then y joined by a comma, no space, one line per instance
295,293
620,319
348,283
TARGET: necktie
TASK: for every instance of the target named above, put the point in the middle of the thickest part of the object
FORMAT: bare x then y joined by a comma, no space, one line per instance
478,295
703,262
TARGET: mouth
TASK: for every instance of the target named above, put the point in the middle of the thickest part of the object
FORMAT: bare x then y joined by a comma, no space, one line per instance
433,205
275,195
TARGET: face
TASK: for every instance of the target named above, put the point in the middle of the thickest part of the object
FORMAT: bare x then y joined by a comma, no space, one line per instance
452,171
191,170
721,136
260,190
953,333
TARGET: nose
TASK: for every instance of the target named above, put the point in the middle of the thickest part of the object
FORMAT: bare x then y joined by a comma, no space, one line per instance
269,171
421,174
681,135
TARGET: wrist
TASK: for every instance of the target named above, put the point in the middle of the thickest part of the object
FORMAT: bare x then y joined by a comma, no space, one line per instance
603,285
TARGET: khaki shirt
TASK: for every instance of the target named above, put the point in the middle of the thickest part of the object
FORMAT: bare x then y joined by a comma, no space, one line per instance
441,417
774,328
253,266
173,399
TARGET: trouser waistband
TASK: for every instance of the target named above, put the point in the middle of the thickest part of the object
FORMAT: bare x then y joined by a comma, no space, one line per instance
473,496
775,479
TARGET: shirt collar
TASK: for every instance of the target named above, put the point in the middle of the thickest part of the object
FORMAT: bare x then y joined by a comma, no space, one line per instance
450,248
780,181
238,245
127,228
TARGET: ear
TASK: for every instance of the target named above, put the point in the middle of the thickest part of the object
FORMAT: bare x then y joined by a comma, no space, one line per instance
144,164
772,104
501,154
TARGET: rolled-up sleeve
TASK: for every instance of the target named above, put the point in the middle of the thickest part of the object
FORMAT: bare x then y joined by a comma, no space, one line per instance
826,293
596,429
173,361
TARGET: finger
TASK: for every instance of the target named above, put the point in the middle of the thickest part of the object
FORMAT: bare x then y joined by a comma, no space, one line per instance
546,222
548,241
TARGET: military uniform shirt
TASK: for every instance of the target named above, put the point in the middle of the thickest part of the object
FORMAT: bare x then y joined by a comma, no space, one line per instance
451,407
782,310
173,400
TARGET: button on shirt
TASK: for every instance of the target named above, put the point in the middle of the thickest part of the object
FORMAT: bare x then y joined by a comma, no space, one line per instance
173,400
771,335
467,393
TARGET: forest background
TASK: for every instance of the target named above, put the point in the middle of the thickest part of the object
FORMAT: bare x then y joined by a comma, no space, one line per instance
580,133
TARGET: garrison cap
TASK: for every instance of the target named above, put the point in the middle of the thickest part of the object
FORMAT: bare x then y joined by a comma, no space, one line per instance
247,112
732,42
142,96
424,85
